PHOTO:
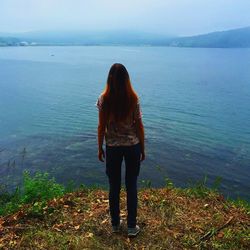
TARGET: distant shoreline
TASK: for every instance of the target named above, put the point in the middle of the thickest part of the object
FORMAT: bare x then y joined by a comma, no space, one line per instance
118,45
235,38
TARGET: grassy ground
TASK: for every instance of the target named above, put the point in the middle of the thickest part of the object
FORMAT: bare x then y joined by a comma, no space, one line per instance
170,218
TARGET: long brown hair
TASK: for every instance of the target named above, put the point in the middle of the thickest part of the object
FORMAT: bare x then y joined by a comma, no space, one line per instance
119,97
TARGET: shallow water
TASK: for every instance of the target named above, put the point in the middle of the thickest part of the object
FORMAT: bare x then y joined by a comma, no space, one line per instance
195,103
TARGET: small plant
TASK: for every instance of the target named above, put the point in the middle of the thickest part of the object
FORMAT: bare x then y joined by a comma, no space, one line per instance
169,183
37,209
241,203
40,188
217,183
146,183
198,189
70,187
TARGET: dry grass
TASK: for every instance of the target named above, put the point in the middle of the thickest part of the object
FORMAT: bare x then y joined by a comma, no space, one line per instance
170,218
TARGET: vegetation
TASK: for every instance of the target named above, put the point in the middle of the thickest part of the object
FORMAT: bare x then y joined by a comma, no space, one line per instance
35,190
45,215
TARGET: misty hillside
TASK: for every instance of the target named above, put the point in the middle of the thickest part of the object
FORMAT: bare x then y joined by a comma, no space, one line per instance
9,41
92,38
237,38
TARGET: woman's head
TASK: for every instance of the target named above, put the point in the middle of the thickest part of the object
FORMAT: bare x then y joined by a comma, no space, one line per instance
118,78
119,96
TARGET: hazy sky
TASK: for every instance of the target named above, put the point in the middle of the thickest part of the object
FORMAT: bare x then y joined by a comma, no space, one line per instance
179,17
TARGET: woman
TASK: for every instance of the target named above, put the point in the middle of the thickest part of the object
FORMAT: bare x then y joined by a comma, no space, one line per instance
120,122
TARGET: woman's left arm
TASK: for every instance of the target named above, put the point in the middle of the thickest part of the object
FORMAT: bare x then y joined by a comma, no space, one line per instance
101,132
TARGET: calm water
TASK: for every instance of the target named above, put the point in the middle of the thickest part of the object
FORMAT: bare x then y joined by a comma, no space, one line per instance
195,102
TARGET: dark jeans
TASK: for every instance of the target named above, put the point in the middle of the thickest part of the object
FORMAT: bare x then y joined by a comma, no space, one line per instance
114,157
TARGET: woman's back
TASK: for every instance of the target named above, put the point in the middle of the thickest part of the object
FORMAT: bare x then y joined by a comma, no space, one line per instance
122,133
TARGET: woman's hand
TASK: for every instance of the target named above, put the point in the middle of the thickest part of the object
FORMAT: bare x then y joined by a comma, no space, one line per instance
101,155
142,156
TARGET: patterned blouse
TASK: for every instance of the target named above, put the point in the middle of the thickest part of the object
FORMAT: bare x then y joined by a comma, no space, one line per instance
122,134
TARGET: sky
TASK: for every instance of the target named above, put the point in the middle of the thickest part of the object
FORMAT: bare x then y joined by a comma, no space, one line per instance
168,17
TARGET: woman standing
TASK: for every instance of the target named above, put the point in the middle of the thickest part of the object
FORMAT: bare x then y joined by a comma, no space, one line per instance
120,123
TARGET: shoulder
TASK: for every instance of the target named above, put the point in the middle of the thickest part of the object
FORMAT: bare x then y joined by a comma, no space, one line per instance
99,102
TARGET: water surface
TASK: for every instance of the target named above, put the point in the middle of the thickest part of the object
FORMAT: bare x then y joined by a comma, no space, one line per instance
195,103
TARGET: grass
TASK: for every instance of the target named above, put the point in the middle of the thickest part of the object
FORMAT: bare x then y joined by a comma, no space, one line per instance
171,218
37,190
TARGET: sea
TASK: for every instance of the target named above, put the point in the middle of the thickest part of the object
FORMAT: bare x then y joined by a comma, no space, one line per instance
195,104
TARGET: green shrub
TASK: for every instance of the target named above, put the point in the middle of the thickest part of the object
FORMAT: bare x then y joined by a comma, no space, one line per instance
36,190
40,187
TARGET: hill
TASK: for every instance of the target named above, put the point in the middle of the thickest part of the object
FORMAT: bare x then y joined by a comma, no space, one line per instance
9,41
236,38
118,37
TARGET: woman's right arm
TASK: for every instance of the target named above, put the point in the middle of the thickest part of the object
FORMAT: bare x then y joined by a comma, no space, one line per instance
101,132
140,134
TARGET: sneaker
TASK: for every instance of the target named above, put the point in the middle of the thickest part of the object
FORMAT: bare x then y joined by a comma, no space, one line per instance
133,231
117,229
